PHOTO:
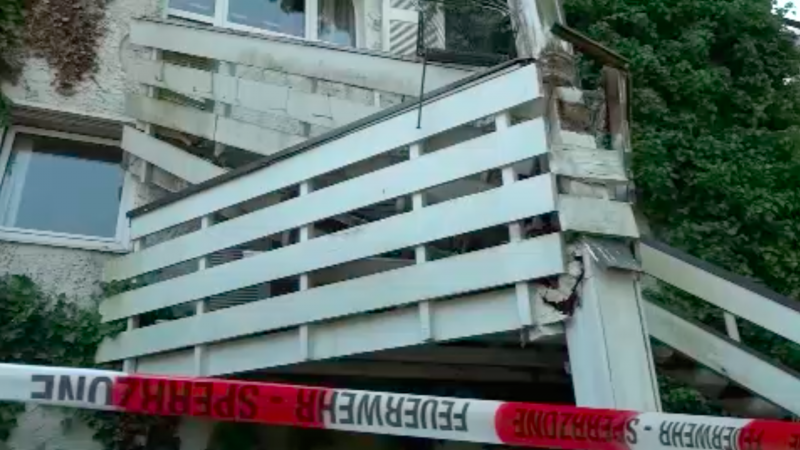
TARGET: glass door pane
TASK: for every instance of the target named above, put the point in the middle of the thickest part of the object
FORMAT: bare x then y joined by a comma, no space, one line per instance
202,7
337,22
280,16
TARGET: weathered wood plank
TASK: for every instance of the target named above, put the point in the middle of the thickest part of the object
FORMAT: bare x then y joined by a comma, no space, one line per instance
596,216
587,163
497,266
405,178
452,218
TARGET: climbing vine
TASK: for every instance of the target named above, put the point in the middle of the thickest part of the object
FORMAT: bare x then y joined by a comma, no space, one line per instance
716,138
65,33
53,330
11,36
11,31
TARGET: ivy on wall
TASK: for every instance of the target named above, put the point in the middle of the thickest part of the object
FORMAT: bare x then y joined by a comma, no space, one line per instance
65,33
53,330
11,31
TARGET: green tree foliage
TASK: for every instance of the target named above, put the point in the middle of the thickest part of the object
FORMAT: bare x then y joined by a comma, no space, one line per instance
716,135
716,110
11,32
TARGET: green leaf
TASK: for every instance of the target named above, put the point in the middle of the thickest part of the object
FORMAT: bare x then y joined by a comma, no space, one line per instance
716,142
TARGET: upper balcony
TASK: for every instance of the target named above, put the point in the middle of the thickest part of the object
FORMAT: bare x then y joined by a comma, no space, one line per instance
352,216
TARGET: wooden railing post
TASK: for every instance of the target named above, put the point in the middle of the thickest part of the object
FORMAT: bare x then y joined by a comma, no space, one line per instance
200,308
421,253
609,346
515,234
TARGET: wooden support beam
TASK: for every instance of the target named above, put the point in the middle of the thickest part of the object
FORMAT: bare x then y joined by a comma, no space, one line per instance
609,346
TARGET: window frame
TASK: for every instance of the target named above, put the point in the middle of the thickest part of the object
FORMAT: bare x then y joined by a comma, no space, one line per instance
220,19
120,243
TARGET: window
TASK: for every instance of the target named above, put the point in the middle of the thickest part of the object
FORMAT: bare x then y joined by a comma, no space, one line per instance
62,189
337,22
331,21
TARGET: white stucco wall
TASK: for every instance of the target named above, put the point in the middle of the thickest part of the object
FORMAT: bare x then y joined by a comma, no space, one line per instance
73,272
105,92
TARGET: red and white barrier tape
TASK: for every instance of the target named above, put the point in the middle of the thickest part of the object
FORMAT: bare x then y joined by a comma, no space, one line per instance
483,421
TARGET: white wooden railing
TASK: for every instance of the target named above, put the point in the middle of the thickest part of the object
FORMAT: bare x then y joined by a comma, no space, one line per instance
736,297
419,301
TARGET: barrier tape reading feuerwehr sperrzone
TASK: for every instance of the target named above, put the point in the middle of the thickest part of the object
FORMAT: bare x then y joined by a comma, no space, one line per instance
519,424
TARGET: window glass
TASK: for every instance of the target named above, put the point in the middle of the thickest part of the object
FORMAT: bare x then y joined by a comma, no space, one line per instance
280,16
202,7
60,185
337,22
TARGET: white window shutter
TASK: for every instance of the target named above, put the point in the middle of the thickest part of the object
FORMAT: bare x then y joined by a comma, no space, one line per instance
400,23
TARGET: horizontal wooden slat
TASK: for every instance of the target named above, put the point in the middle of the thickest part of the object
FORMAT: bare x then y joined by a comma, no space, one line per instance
725,357
502,92
593,164
168,157
497,266
318,109
723,293
517,201
350,66
465,316
209,125
464,159
596,216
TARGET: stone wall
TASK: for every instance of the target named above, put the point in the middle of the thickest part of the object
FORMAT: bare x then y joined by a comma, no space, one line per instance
283,123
